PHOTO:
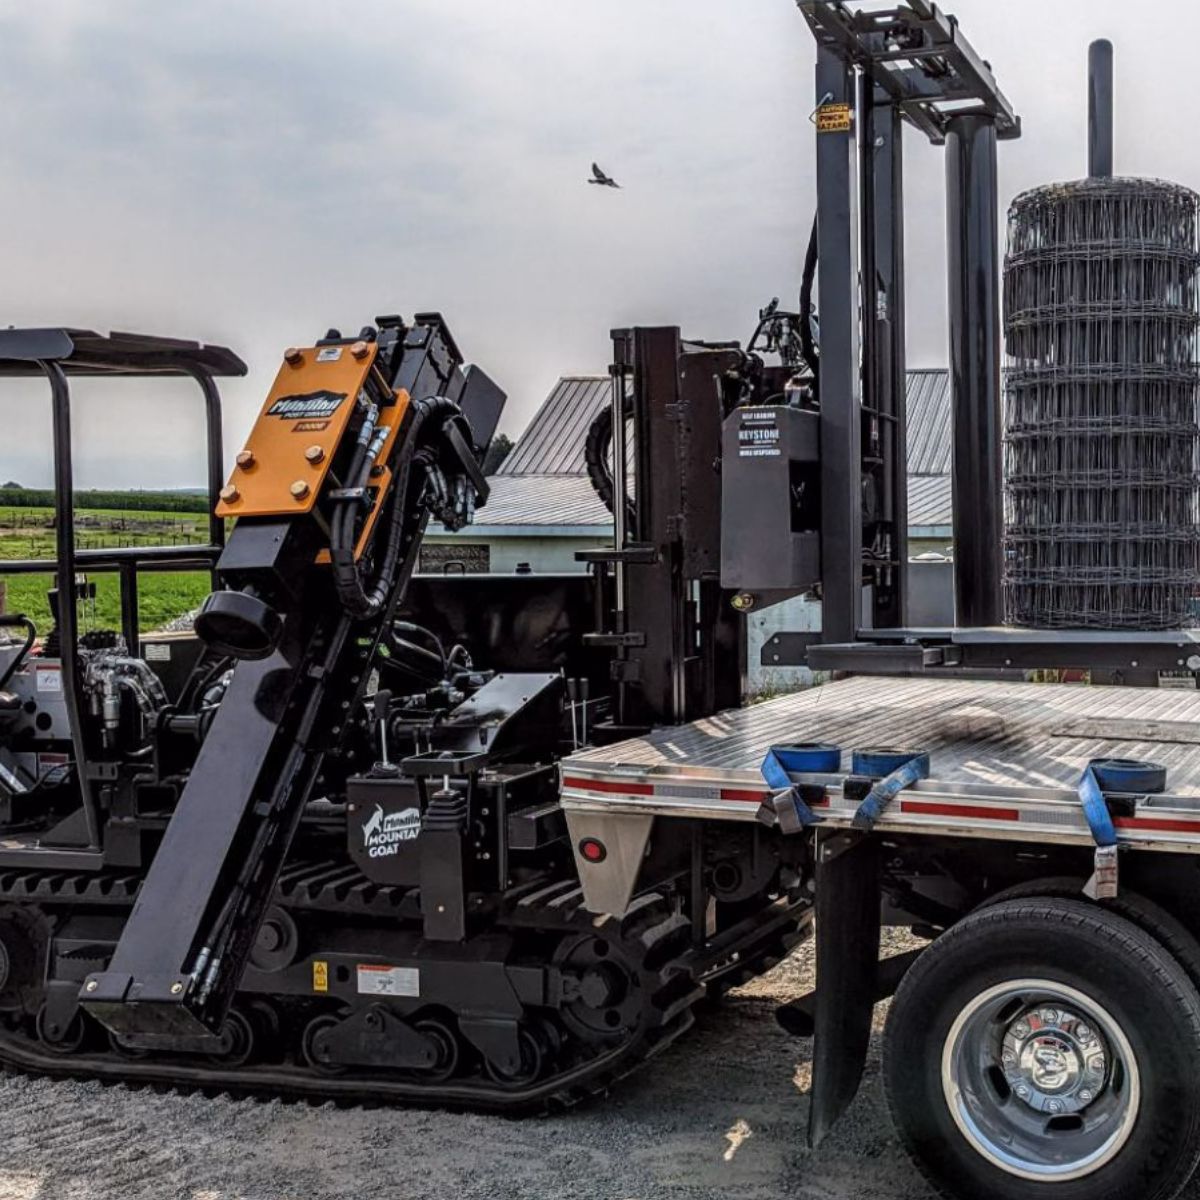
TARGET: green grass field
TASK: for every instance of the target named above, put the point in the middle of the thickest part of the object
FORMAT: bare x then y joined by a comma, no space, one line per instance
27,533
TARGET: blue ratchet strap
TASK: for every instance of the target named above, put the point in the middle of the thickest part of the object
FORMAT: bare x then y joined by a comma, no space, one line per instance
1095,808
802,758
1121,775
899,769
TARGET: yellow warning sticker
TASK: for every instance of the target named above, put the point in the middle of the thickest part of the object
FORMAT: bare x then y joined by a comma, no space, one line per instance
320,977
834,118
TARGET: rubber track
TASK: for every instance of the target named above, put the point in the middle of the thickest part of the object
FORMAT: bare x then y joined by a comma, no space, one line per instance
673,993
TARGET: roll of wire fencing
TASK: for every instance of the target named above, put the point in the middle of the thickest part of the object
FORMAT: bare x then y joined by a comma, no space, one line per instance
1101,436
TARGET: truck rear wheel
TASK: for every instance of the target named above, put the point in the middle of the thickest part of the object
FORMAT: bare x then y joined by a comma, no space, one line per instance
1047,1048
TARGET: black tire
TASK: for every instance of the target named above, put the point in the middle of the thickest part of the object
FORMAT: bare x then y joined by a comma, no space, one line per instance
1148,916
1124,974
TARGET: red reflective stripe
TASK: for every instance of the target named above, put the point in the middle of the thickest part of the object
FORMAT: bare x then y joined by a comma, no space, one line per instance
825,803
983,812
1161,824
743,794
610,785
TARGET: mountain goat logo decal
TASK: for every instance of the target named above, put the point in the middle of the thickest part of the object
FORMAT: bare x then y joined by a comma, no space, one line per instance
384,831
373,825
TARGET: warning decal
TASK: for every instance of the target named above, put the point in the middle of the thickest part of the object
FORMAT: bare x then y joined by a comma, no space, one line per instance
388,981
834,118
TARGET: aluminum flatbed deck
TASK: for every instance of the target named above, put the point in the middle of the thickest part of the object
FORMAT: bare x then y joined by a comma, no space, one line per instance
1005,759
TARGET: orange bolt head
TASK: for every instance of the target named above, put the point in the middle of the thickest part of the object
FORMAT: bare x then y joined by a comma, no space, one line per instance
360,349
292,356
245,459
299,489
229,493
315,454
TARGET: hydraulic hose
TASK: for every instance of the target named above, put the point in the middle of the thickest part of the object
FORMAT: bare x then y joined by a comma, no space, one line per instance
360,599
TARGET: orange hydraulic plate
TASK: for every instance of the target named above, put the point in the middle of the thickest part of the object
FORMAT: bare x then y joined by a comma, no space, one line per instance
290,448
381,478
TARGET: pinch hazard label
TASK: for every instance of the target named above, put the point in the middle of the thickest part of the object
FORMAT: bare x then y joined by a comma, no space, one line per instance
834,118
320,977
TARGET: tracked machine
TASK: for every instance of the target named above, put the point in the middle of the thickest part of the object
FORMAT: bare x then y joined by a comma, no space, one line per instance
315,848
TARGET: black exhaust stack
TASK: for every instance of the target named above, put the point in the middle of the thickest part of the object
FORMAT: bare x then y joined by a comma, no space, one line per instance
1100,109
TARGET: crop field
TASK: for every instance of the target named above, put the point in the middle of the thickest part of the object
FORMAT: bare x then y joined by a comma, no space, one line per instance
28,532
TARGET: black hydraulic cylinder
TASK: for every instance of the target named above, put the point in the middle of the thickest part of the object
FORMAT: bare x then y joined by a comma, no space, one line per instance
973,258
1100,109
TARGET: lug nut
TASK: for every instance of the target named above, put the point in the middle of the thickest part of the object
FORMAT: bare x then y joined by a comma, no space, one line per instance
315,454
299,489
230,494
360,349
293,357
245,460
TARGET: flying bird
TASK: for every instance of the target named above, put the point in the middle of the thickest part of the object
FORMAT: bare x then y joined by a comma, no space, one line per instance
600,179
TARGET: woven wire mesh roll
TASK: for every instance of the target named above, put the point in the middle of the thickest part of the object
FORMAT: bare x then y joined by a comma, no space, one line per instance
1101,317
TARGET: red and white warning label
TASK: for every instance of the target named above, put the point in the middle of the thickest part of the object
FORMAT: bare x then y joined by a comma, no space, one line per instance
388,981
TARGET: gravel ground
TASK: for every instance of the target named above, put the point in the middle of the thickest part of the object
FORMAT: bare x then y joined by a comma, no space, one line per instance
719,1115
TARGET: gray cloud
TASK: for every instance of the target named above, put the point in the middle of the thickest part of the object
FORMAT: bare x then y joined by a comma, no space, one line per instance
251,174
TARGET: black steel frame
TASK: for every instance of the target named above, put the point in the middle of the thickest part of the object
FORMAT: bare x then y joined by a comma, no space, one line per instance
882,67
56,355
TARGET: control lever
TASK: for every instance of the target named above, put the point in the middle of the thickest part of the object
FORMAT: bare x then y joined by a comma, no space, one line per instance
383,708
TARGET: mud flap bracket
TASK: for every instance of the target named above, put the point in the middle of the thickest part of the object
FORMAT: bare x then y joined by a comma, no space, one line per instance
848,926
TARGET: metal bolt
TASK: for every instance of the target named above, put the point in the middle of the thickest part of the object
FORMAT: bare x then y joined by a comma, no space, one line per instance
1085,1096
230,494
245,459
441,908
176,988
1021,1030
91,985
1083,1032
299,490
360,349
1054,1106
315,454
293,357
1050,1016
1022,1091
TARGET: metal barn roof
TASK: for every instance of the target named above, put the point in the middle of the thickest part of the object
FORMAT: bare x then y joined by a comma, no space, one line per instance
544,502
930,506
553,442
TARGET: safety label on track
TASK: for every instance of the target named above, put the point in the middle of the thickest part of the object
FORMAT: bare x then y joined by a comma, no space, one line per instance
388,981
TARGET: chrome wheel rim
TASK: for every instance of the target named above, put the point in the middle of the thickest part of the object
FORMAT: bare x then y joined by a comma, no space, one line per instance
1041,1080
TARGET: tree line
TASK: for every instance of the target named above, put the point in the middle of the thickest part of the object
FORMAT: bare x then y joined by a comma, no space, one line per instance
183,502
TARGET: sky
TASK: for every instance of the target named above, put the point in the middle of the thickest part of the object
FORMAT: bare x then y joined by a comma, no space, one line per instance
252,174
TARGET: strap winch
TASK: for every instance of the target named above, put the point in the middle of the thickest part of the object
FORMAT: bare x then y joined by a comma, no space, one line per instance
1102,777
894,770
786,803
